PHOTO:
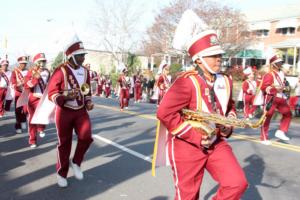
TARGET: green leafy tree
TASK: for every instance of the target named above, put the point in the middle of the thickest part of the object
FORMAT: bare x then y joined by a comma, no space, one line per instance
114,78
57,61
133,63
175,69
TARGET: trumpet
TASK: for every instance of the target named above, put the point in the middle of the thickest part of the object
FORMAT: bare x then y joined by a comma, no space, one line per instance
36,73
200,120
84,90
284,88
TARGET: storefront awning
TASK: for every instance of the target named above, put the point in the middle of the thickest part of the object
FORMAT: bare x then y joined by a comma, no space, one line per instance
286,23
250,53
260,26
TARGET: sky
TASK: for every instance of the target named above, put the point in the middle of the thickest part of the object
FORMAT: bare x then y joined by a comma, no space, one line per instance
33,26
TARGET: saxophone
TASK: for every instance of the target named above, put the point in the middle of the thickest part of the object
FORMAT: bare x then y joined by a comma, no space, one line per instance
201,120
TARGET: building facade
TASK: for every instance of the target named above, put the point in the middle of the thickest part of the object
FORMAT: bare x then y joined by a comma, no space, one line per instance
282,34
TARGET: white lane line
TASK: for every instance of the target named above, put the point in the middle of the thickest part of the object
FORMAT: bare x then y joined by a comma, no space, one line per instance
123,148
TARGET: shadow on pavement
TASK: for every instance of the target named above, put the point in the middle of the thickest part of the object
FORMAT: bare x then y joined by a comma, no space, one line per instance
254,172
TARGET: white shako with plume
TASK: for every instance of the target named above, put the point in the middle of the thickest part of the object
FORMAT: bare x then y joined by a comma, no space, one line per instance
194,36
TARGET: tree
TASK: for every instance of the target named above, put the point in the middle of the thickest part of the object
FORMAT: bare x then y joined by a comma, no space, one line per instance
116,24
57,61
229,23
133,63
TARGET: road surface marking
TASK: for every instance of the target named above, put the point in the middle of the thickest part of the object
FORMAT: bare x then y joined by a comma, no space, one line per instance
236,136
123,148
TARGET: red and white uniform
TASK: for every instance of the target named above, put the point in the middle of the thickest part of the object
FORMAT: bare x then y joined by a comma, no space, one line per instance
107,87
9,93
17,81
36,87
249,90
186,155
4,85
125,84
138,89
100,82
163,85
270,81
93,75
70,115
93,78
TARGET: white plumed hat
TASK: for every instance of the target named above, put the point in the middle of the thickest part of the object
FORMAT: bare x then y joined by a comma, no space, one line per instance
193,36
74,47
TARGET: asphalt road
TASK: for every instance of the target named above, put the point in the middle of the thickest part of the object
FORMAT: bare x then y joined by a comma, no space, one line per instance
117,165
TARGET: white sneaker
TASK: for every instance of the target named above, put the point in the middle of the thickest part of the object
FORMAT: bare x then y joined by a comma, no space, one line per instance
33,146
126,108
18,131
61,181
42,134
77,172
281,135
23,125
266,142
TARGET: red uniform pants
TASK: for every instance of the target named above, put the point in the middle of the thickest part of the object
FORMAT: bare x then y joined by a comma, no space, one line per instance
249,108
99,90
107,92
68,120
188,163
33,128
2,100
20,112
283,108
7,105
137,92
124,98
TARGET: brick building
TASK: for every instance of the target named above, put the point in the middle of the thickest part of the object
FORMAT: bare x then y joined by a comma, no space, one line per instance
282,34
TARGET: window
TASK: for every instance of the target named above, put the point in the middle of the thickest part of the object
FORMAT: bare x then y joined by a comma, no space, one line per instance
262,33
286,31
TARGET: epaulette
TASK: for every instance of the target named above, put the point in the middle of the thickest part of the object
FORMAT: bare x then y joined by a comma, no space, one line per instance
188,73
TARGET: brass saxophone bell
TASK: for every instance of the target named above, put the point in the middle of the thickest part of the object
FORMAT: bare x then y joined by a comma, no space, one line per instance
84,89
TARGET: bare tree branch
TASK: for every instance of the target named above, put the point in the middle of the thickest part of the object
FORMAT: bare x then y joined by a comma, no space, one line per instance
229,23
116,23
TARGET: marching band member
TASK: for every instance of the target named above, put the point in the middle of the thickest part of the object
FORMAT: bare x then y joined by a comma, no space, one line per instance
273,86
107,87
125,84
4,85
164,80
67,89
35,82
191,150
17,81
249,89
138,88
100,81
93,78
